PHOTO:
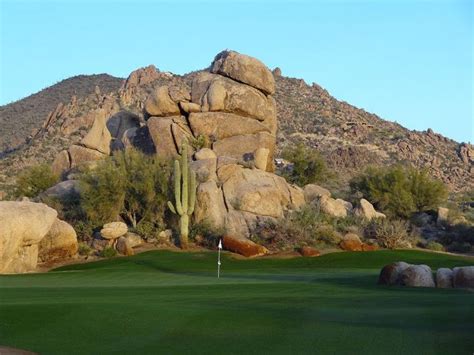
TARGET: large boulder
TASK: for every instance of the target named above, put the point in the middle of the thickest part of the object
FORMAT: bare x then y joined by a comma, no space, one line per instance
162,136
243,246
463,277
23,226
391,274
242,148
99,137
220,125
61,163
332,207
245,69
313,192
81,155
366,210
417,276
222,94
113,230
161,104
59,243
62,190
210,206
444,278
257,192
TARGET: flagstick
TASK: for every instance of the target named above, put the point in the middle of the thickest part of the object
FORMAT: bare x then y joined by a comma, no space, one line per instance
219,259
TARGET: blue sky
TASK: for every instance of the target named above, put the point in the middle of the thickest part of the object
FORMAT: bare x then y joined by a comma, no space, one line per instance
407,61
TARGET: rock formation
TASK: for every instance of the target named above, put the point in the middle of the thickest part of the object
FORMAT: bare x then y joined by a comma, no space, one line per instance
228,114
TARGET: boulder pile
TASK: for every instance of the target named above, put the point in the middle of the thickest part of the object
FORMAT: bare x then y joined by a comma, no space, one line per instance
403,274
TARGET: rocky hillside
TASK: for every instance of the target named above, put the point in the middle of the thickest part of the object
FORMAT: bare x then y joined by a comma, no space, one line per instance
20,119
349,138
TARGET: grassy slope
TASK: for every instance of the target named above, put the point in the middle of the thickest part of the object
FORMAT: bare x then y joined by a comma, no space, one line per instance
164,302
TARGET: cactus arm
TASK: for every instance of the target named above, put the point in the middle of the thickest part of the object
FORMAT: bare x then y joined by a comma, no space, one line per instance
192,193
171,207
184,167
177,188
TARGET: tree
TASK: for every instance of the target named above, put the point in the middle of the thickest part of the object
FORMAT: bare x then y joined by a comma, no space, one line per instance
400,191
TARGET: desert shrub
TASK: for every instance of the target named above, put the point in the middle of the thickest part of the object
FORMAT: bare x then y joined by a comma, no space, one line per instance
432,245
205,234
84,229
306,226
400,191
308,165
201,141
108,252
84,249
390,234
34,180
460,247
130,184
148,229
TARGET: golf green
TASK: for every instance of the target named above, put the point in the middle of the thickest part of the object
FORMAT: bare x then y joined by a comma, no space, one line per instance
164,302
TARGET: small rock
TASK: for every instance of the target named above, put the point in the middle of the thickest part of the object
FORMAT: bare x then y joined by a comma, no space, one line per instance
309,251
133,239
366,210
313,191
351,242
390,274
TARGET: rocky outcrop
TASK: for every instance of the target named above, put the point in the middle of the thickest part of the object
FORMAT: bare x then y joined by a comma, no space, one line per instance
113,230
23,226
99,137
59,243
61,163
81,155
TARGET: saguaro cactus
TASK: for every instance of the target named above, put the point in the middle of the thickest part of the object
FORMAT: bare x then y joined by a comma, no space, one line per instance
184,194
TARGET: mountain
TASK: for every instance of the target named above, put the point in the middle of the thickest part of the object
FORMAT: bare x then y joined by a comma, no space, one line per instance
18,119
37,128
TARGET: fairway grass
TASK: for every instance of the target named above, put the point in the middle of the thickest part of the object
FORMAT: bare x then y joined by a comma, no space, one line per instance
163,302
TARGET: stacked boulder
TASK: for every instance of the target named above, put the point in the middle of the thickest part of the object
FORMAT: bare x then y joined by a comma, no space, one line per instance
403,274
231,110
31,232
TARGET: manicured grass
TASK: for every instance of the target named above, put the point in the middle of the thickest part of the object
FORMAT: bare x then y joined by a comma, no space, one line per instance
162,302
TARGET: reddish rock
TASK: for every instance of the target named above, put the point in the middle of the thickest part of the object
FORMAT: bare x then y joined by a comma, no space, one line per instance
309,252
368,247
243,246
351,242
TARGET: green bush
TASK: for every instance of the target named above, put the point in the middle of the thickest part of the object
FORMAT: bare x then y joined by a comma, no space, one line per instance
34,180
308,165
108,252
400,191
147,229
130,184
390,234
434,246
84,249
